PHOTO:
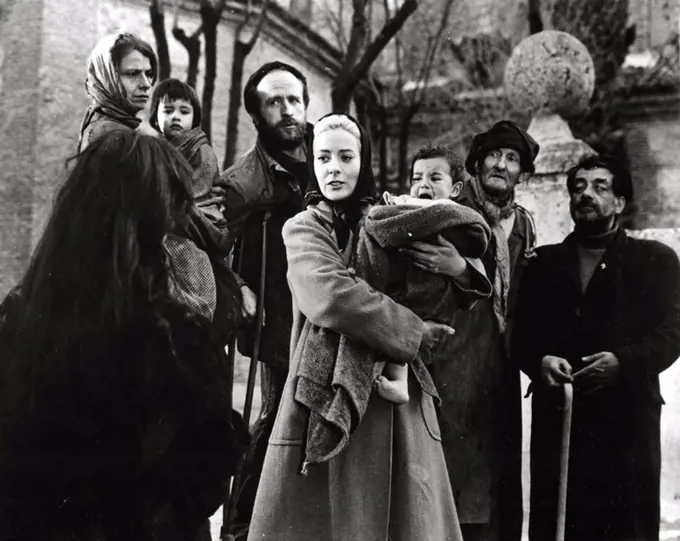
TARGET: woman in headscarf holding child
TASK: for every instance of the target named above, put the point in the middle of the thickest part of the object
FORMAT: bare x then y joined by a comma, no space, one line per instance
120,73
386,478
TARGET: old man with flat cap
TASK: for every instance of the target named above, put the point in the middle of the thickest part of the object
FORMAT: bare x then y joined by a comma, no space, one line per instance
480,416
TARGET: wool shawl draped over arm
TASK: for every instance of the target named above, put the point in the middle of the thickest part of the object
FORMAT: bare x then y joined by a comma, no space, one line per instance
348,326
330,296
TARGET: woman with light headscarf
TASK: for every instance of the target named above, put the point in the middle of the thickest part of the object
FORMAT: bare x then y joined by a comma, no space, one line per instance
120,73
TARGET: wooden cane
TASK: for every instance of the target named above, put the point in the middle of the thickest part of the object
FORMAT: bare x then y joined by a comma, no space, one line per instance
564,461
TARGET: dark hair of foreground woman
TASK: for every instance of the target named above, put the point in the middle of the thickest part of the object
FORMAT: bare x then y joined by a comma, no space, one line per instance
115,404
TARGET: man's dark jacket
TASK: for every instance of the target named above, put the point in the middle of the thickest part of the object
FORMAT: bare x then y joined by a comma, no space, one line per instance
631,307
481,411
255,184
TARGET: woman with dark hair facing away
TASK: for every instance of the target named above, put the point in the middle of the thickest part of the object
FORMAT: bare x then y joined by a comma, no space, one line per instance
120,73
114,397
388,478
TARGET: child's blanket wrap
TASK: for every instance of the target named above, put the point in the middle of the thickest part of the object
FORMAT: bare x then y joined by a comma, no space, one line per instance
335,374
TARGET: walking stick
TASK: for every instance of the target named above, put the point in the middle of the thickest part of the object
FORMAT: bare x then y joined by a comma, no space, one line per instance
231,356
252,372
229,508
564,461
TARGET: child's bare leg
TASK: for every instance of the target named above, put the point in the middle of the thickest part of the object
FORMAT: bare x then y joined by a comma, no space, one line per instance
392,384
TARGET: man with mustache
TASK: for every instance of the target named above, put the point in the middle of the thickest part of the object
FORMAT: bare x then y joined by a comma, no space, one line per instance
268,180
601,310
480,389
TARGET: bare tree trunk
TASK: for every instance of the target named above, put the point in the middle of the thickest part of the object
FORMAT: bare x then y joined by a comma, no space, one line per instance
157,13
382,145
210,18
535,19
404,132
355,63
241,51
234,102
191,43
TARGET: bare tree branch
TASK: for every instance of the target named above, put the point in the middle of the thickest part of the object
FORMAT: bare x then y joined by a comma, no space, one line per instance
433,46
390,28
191,43
157,13
356,67
241,50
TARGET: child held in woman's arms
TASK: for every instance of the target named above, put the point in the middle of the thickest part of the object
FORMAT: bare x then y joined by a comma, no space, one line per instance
176,113
436,180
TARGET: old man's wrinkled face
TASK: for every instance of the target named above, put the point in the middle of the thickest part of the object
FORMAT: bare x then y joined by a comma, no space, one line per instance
283,114
592,199
500,172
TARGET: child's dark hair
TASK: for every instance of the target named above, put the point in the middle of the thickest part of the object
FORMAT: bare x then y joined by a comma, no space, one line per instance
173,89
440,151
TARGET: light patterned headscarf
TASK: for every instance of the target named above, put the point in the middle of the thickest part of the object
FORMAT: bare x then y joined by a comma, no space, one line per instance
104,86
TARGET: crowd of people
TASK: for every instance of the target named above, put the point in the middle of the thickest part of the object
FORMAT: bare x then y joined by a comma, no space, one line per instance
390,330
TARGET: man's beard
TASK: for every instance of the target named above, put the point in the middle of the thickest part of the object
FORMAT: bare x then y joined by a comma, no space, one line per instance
271,136
597,225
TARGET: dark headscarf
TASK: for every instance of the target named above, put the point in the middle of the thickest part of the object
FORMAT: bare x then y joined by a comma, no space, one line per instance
503,134
104,87
347,213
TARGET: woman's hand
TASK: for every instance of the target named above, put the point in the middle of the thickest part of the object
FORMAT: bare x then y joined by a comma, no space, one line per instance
433,332
441,258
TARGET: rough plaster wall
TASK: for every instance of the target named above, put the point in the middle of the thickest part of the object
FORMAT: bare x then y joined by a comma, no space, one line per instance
67,39
20,31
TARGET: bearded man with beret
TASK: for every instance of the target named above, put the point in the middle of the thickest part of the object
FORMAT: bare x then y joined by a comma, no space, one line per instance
480,416
600,310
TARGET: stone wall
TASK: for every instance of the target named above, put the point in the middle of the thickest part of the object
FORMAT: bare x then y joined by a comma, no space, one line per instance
654,20
652,134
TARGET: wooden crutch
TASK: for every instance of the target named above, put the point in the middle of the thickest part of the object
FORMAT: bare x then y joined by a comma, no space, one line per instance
259,322
229,508
564,461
